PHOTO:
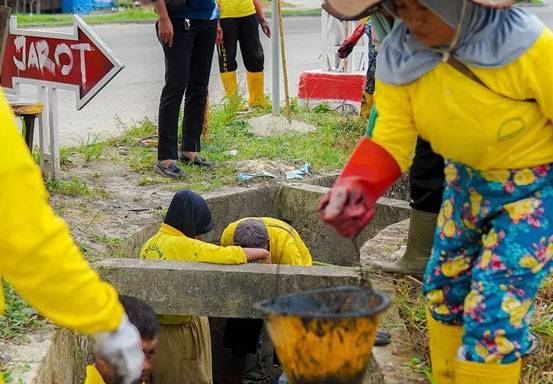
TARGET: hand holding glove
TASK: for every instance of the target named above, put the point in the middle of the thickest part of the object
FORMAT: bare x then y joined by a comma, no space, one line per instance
122,349
349,43
349,205
346,207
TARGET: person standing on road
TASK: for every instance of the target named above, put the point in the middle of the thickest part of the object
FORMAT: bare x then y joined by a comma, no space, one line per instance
240,21
186,31
41,261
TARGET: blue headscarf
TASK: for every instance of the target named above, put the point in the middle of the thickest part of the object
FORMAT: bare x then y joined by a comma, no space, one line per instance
487,38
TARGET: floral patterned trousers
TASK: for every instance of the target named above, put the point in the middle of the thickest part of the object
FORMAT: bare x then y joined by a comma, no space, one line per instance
493,247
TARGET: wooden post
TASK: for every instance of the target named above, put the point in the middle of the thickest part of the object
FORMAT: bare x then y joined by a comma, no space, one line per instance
284,67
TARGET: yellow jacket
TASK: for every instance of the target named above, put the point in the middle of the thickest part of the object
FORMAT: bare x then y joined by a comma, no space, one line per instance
38,256
93,376
286,245
236,8
171,244
468,123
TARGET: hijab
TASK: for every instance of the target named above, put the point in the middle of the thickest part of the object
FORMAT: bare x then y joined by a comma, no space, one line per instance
486,38
189,213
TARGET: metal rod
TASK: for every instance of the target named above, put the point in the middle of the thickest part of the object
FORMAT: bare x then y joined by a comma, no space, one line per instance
284,68
275,59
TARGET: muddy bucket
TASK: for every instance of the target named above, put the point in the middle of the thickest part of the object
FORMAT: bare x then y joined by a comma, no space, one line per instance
325,336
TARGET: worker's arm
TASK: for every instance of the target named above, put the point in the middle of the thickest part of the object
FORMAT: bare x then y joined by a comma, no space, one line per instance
219,38
196,250
261,16
165,26
38,256
374,166
349,43
394,128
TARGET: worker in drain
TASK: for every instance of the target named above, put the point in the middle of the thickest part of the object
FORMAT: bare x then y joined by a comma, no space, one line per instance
278,237
475,83
144,319
239,23
41,261
184,352
241,336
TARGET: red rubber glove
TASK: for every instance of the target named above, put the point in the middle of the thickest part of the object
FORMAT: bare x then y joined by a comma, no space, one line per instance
349,205
349,43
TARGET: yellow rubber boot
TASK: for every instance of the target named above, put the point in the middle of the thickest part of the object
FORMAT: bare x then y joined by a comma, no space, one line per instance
229,83
256,90
468,372
445,341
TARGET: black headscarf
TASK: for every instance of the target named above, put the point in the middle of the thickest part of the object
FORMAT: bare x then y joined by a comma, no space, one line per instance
189,214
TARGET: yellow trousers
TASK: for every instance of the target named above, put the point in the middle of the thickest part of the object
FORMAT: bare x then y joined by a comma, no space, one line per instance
184,353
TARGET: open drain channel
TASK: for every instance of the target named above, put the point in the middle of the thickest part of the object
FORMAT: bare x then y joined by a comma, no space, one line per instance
169,286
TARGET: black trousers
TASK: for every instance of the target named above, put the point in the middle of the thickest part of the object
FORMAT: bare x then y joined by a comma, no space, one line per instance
242,335
427,179
243,30
187,70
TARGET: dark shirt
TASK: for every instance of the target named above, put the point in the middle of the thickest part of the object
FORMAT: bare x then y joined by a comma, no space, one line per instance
197,10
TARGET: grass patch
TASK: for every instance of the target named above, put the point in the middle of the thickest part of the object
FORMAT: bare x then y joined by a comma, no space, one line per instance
73,187
231,142
126,15
19,317
91,148
108,240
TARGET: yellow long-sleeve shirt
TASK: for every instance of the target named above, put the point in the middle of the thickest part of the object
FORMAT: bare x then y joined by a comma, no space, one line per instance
468,123
171,244
286,245
38,256
235,8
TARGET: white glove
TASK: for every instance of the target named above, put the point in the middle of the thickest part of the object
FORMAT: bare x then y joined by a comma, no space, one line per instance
122,349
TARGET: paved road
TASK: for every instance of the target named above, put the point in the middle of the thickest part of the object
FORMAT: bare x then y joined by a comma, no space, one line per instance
134,93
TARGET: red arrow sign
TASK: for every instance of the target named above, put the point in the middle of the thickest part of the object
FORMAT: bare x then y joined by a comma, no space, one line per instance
79,61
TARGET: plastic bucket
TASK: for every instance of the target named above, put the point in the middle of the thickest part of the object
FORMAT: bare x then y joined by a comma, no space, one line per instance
325,336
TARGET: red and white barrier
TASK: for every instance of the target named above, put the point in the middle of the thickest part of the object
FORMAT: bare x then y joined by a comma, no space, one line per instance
333,88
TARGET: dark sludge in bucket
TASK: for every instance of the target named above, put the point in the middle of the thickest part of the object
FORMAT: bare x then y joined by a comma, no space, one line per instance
343,302
325,336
